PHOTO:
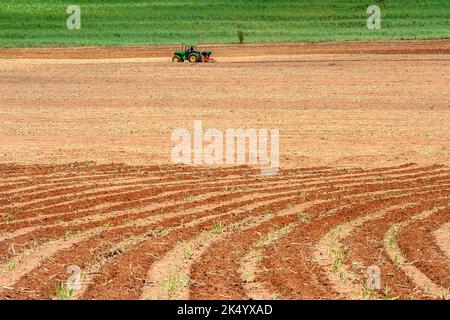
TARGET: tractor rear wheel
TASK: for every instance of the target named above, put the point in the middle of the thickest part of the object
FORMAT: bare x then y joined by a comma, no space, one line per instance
193,58
176,59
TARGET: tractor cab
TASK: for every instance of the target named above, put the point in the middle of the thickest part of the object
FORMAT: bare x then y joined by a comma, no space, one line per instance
186,50
189,48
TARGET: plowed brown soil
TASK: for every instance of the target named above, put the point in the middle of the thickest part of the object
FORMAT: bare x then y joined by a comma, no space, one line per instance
336,104
86,177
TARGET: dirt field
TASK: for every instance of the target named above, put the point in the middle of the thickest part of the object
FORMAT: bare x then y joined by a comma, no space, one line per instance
87,179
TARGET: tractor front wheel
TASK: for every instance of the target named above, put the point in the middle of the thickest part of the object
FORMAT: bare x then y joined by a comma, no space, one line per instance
193,58
176,59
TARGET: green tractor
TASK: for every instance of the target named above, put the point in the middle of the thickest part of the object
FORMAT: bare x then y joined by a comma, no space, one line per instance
191,54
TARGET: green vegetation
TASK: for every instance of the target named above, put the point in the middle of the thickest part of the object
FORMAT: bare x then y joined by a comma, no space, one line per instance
174,284
304,217
151,22
62,292
217,227
338,256
11,265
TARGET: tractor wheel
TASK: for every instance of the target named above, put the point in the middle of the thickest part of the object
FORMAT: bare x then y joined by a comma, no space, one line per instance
193,58
176,59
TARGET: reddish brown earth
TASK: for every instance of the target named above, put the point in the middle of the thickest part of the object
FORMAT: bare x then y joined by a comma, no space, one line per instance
87,179
339,104
118,244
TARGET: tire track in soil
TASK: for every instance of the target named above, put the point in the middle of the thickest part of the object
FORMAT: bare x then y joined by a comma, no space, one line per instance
426,255
49,248
66,230
209,272
92,167
367,244
71,205
162,179
307,281
40,235
32,258
51,233
250,264
157,175
348,279
442,238
406,171
45,200
321,176
41,210
138,253
45,219
422,283
33,184
81,236
169,265
13,226
126,278
151,288
94,172
61,241
134,187
238,252
99,245
65,188
15,170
